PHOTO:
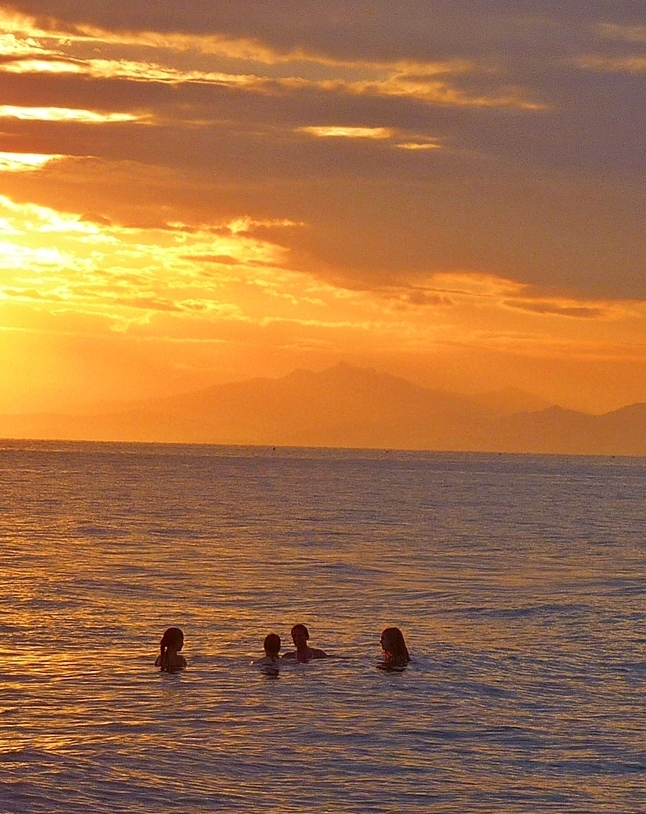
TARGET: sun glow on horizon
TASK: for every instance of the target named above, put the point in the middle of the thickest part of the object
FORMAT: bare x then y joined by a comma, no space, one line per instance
134,276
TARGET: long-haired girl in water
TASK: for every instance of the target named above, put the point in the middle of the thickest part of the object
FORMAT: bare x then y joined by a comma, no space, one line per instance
395,651
170,659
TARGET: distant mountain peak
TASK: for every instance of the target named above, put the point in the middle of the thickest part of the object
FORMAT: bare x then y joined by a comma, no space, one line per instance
350,406
511,400
345,372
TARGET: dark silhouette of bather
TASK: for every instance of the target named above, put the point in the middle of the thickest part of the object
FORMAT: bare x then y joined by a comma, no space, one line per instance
303,652
396,655
169,659
272,650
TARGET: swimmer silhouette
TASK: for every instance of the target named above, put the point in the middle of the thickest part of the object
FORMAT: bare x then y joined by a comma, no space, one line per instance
303,653
396,655
169,658
272,649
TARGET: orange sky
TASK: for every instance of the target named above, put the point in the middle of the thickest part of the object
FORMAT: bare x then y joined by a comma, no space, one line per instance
210,192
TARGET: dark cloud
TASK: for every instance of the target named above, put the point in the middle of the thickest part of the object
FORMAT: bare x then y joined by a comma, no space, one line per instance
373,213
384,28
557,309
552,196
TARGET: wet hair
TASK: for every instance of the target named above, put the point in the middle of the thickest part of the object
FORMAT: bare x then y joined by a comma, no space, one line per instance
173,638
301,629
394,638
272,644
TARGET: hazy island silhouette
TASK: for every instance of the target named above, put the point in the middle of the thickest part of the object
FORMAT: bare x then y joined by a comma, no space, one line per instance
349,406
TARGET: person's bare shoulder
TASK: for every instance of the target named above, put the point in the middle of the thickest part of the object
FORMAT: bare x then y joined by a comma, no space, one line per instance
319,654
266,660
290,655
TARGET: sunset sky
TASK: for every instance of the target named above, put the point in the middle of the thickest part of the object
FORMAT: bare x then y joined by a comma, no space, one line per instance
195,193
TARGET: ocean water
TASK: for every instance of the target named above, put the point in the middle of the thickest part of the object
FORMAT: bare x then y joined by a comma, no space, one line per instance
519,582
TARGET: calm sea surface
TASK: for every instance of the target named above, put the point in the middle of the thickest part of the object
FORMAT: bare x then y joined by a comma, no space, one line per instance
519,582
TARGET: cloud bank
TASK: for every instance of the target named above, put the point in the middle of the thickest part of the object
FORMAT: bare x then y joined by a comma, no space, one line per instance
412,175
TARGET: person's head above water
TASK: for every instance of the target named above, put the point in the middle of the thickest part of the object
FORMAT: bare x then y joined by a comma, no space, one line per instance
300,635
272,644
171,643
173,639
303,653
394,646
271,647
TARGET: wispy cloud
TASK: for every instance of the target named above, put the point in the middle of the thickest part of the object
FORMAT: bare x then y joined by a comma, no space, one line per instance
25,162
614,64
402,140
564,308
625,33
28,49
331,131
64,114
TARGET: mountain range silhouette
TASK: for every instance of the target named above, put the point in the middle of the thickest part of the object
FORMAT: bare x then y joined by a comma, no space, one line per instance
348,406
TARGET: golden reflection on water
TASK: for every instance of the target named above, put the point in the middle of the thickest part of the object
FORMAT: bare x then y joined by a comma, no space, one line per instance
523,695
